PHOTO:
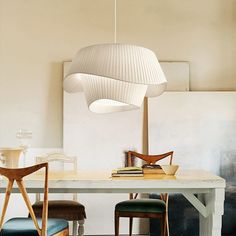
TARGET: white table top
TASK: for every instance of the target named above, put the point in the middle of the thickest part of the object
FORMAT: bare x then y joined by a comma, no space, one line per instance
102,182
91,181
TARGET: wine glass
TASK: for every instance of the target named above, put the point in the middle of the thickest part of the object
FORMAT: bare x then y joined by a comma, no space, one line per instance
24,136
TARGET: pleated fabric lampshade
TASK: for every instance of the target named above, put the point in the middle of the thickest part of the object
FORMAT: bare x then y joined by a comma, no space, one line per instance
115,77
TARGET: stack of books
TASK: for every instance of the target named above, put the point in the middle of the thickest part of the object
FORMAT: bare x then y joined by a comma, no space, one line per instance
152,169
127,172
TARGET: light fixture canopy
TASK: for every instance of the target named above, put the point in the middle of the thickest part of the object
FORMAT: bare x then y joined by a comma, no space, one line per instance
115,77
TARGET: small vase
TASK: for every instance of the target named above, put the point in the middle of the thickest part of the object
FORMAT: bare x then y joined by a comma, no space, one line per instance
11,156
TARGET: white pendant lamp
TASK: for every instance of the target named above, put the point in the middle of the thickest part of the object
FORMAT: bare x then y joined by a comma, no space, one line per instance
115,77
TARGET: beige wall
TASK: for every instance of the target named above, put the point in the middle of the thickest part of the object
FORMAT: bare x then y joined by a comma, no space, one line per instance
37,36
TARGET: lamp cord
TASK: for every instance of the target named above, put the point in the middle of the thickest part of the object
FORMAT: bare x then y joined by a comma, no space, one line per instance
114,21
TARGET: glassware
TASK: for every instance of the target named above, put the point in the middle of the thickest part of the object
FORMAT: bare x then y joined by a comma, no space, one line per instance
24,136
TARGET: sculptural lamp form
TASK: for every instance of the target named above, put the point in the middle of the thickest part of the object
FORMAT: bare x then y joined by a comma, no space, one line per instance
115,77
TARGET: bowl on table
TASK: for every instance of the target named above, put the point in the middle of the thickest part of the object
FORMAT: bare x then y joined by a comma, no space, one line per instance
170,169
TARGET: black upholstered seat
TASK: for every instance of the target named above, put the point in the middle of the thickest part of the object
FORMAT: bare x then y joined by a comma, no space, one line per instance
26,227
66,209
142,205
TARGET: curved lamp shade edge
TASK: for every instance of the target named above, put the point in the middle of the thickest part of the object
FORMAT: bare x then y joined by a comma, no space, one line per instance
115,77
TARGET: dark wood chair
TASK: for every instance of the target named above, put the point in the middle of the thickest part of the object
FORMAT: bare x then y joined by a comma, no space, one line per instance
70,210
144,208
29,226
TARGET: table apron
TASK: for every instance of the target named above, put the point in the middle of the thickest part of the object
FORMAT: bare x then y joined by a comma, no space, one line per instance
113,190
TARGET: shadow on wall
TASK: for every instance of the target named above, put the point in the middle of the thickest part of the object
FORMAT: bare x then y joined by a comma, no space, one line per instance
52,137
228,172
183,217
184,220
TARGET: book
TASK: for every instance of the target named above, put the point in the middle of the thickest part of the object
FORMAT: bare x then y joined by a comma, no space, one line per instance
130,172
130,168
152,169
127,171
126,175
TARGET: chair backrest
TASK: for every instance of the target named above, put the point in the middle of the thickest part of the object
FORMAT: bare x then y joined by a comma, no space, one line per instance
58,158
18,175
149,159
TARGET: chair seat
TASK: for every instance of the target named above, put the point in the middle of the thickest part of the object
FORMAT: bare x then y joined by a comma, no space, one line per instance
26,227
65,209
142,205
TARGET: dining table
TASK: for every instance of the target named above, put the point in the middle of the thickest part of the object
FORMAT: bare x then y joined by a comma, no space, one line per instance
203,189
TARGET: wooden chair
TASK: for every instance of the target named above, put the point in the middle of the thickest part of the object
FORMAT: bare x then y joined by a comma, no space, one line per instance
70,210
144,208
29,226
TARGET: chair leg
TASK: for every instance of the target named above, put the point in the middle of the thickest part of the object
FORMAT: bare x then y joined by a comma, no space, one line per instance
117,219
74,228
7,197
165,229
130,225
162,220
165,224
81,228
